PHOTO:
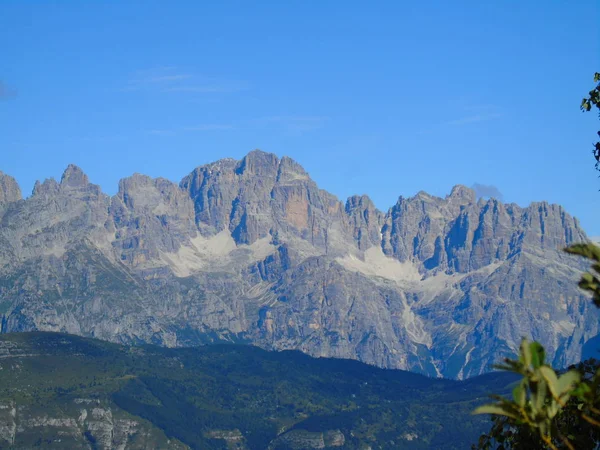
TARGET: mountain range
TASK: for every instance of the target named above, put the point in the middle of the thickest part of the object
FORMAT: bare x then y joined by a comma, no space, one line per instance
253,251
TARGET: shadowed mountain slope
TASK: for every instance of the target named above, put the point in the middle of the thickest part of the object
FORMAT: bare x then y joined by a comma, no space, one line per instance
64,391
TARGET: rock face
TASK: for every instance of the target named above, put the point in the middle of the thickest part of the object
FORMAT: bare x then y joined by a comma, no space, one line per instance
253,250
83,423
303,440
9,189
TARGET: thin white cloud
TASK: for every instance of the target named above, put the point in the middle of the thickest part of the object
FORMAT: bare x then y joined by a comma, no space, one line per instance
471,114
151,79
208,88
198,89
156,69
161,132
294,123
484,117
481,107
209,127
205,127
170,79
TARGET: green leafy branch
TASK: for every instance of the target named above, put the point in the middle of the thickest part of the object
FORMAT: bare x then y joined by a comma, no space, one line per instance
545,406
593,100
590,281
538,397
545,402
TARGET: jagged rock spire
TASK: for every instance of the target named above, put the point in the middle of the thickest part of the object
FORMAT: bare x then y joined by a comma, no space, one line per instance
9,189
74,177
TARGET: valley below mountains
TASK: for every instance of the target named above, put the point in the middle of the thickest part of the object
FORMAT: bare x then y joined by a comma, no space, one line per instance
67,392
252,251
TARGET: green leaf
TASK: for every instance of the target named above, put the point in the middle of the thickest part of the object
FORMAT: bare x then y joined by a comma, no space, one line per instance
510,365
551,379
585,105
568,381
539,399
587,278
553,408
520,394
538,354
499,410
581,391
588,250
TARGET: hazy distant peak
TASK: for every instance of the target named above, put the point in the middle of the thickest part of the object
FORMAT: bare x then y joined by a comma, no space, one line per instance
9,189
359,201
259,163
48,186
463,193
74,177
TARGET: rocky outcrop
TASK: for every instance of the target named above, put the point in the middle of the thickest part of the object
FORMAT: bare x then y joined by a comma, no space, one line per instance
233,439
253,250
261,196
304,440
365,221
9,189
325,310
53,218
458,234
82,423
150,216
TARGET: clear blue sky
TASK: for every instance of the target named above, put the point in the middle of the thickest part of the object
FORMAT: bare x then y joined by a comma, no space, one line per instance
383,98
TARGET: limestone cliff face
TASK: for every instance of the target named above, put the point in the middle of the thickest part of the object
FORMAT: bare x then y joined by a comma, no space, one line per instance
150,216
253,250
458,234
9,189
56,215
262,196
83,423
365,221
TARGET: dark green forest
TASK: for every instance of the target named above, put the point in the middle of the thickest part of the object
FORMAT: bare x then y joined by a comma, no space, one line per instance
197,395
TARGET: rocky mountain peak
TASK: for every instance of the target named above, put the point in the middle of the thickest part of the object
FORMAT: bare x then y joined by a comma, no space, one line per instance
365,221
363,206
48,187
151,215
259,163
420,197
290,170
9,189
73,177
158,194
462,194
132,183
359,201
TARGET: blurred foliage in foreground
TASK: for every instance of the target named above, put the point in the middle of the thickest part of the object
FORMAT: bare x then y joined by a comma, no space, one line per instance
549,409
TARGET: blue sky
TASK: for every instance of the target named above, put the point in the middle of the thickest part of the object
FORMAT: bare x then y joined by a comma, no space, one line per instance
383,98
